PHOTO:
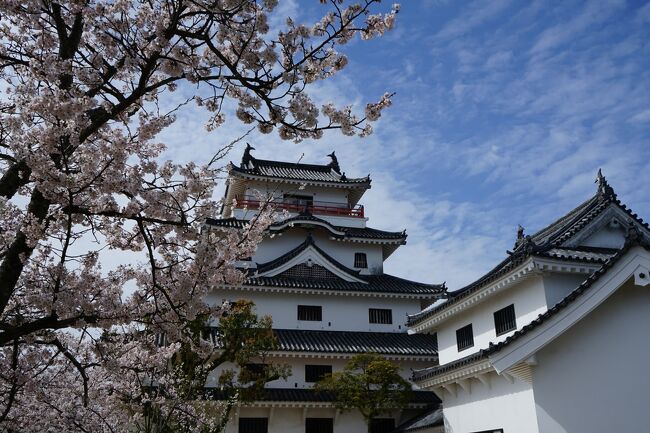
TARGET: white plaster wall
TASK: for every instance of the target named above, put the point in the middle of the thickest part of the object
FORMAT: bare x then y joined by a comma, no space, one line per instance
297,365
529,300
606,237
557,286
340,313
341,251
594,378
505,405
291,420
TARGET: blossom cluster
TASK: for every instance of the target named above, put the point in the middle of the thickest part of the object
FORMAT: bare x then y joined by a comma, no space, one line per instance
81,173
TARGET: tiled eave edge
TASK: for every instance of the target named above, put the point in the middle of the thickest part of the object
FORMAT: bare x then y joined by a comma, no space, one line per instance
327,292
344,355
481,366
343,185
311,404
532,266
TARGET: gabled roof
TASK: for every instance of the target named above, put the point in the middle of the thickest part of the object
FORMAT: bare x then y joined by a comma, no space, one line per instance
384,343
339,232
353,281
635,240
548,242
279,170
308,244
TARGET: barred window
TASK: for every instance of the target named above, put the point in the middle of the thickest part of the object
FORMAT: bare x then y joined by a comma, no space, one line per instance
505,320
382,425
312,313
314,373
465,337
319,425
360,260
253,425
380,315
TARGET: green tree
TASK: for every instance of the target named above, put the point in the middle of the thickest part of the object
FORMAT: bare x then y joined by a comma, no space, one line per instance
368,383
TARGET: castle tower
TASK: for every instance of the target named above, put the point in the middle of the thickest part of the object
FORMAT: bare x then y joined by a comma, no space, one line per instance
319,274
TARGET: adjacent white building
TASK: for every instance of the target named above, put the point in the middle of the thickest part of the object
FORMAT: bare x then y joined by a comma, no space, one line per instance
319,274
554,339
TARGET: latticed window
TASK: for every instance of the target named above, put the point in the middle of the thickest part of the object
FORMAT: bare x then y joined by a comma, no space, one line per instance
505,320
380,315
314,373
319,425
253,425
309,272
465,337
312,313
360,260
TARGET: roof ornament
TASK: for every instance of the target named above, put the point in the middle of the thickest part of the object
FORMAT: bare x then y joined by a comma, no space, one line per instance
604,188
248,160
520,235
334,164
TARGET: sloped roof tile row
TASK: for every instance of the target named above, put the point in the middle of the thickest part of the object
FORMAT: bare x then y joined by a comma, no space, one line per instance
296,171
385,343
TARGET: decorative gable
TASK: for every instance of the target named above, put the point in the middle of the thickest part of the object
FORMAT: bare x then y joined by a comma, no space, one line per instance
607,230
308,271
308,260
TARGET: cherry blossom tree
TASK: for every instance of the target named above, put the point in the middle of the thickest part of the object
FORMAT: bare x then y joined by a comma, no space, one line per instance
83,86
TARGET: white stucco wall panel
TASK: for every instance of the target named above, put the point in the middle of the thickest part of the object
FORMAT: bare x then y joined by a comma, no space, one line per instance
557,286
502,405
529,300
340,313
594,377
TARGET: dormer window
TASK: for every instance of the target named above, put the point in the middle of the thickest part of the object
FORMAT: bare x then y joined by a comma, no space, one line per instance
465,337
360,260
505,320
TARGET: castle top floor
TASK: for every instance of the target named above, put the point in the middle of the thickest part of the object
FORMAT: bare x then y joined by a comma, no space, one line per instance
321,190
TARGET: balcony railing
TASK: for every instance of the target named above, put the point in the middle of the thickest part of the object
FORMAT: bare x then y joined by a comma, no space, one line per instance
315,208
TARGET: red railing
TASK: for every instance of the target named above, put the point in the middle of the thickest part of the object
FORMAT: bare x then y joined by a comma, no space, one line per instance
315,208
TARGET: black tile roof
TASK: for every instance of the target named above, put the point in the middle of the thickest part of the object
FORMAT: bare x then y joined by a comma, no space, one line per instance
543,317
546,243
299,220
432,418
384,343
310,395
382,283
294,171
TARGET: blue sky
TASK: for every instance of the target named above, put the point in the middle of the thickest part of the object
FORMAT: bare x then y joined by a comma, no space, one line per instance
504,111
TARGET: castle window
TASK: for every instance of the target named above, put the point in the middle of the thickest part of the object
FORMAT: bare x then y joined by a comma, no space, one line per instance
380,315
465,337
253,425
314,373
382,425
319,425
504,320
360,260
311,313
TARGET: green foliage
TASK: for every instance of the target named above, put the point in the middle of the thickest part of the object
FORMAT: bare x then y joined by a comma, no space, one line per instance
242,338
370,384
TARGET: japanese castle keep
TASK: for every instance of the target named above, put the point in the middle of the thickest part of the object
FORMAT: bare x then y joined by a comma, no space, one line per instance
553,339
320,276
